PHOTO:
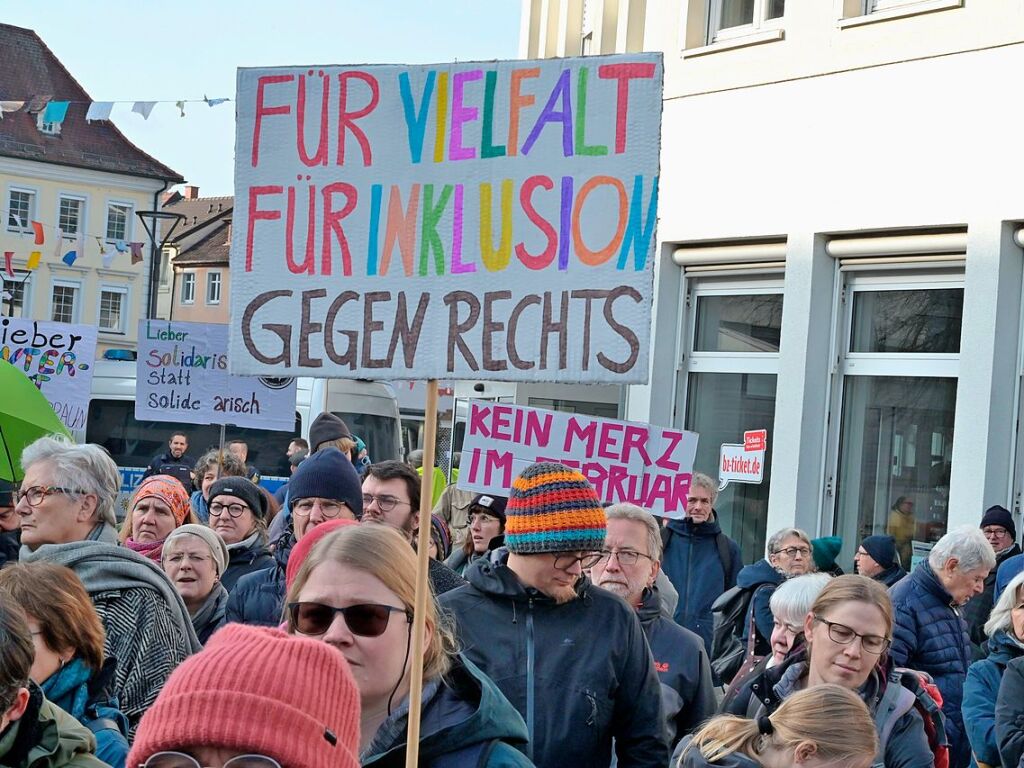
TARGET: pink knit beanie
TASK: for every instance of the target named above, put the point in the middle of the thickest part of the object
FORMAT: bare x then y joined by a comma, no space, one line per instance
259,691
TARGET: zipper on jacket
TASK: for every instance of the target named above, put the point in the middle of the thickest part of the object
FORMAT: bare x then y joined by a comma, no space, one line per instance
529,677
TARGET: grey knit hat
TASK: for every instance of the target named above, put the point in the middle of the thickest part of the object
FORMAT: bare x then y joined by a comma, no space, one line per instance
218,550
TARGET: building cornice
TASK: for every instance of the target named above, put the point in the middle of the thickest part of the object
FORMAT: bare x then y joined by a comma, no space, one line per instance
31,169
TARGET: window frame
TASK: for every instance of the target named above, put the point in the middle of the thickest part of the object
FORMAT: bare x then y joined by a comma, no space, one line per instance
23,279
189,283
717,34
210,284
46,128
83,216
33,206
121,290
76,304
128,223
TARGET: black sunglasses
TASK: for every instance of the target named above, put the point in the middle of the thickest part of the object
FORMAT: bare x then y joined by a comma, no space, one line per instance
365,619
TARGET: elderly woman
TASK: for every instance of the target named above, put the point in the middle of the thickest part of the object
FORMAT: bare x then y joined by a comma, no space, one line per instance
930,635
158,506
211,467
194,559
238,512
356,591
1005,630
788,554
70,665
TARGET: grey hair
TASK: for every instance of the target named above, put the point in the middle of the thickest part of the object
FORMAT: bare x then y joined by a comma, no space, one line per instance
87,467
626,511
699,478
1000,618
968,545
779,536
793,598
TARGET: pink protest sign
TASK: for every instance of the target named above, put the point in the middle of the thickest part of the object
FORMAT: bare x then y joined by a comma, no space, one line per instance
624,461
490,220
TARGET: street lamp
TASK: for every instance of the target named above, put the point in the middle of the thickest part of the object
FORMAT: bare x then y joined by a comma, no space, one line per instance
150,220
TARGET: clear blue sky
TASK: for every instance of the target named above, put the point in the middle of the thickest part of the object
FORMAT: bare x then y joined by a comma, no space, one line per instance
147,51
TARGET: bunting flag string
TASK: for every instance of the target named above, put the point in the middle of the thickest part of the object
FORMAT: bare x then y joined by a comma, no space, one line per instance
55,111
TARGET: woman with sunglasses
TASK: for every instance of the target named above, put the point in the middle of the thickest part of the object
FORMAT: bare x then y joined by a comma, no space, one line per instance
356,592
238,512
847,632
253,698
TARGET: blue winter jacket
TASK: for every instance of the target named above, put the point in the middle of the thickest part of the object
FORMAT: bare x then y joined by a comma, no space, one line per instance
762,578
1010,715
1007,569
258,598
693,565
87,697
931,636
980,692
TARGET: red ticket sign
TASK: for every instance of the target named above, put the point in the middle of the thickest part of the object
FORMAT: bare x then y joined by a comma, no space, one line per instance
755,440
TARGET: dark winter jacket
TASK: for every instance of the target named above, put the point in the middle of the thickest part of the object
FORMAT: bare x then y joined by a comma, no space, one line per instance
245,557
465,717
580,673
258,598
687,686
980,692
165,464
442,578
979,608
761,578
46,736
692,563
930,636
692,758
10,543
907,744
1010,715
890,576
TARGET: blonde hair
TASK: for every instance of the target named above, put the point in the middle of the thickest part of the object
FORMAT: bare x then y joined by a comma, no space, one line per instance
854,588
381,552
1001,618
808,716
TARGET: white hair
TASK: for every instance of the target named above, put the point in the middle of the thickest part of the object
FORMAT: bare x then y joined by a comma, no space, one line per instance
968,545
780,536
793,598
84,469
626,511
1000,618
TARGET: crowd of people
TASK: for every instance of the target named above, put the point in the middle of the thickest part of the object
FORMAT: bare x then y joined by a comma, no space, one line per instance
220,625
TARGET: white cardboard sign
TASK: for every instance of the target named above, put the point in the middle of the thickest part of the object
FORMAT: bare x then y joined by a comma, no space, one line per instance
490,220
182,375
625,461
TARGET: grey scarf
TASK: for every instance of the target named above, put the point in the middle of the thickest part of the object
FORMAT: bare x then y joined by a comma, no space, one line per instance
212,610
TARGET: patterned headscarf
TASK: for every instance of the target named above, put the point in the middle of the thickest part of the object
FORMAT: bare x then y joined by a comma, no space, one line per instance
169,490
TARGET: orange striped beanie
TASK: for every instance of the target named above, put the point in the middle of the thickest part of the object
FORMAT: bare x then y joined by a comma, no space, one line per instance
553,508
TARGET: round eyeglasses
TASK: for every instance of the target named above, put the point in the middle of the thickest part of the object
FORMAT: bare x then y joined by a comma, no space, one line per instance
181,760
34,495
234,510
844,635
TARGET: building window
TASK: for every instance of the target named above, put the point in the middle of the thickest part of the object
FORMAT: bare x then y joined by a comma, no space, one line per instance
188,288
69,216
21,209
213,287
17,292
733,334
896,395
733,18
50,129
113,304
64,302
118,217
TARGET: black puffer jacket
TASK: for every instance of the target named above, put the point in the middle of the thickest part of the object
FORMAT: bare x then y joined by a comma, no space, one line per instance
258,598
1010,715
245,559
979,608
580,673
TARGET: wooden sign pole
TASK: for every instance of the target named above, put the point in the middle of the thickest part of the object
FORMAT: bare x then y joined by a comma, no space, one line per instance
412,749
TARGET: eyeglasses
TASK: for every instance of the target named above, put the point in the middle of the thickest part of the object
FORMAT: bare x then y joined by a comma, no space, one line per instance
181,760
384,503
235,510
564,562
625,556
842,634
995,531
804,552
34,495
329,509
364,619
179,557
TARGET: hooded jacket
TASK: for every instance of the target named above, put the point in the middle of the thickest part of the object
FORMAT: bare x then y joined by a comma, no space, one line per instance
1010,715
931,637
980,692
580,672
258,597
46,736
466,721
692,758
687,686
761,578
692,563
907,744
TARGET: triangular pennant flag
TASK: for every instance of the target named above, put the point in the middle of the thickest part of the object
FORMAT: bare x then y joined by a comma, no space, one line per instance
40,235
143,108
59,243
69,257
181,106
120,246
55,112
9,263
10,106
99,110
136,252
34,259
213,102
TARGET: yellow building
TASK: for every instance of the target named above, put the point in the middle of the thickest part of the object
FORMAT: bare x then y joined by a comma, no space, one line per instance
83,178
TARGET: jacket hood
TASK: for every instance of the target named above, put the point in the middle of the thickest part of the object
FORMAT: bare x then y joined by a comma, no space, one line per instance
650,606
1003,648
466,709
492,576
686,527
761,572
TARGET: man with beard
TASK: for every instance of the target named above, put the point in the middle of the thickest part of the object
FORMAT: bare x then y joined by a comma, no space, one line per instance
175,462
571,657
628,567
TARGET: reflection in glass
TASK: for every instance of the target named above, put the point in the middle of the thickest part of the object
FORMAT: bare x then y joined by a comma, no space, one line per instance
736,13
894,461
907,321
776,9
744,323
720,408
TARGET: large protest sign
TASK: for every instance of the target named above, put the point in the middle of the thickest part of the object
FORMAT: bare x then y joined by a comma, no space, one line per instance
182,375
58,357
482,220
624,461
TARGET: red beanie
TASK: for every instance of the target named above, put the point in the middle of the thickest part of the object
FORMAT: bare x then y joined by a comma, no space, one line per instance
304,545
260,691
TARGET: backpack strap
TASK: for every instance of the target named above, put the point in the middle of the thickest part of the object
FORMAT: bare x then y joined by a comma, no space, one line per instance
725,555
894,704
102,724
666,537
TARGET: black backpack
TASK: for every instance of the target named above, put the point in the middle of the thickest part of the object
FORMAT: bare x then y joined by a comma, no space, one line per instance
729,614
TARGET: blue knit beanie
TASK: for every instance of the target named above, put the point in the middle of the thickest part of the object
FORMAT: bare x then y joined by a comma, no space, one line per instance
327,474
882,550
